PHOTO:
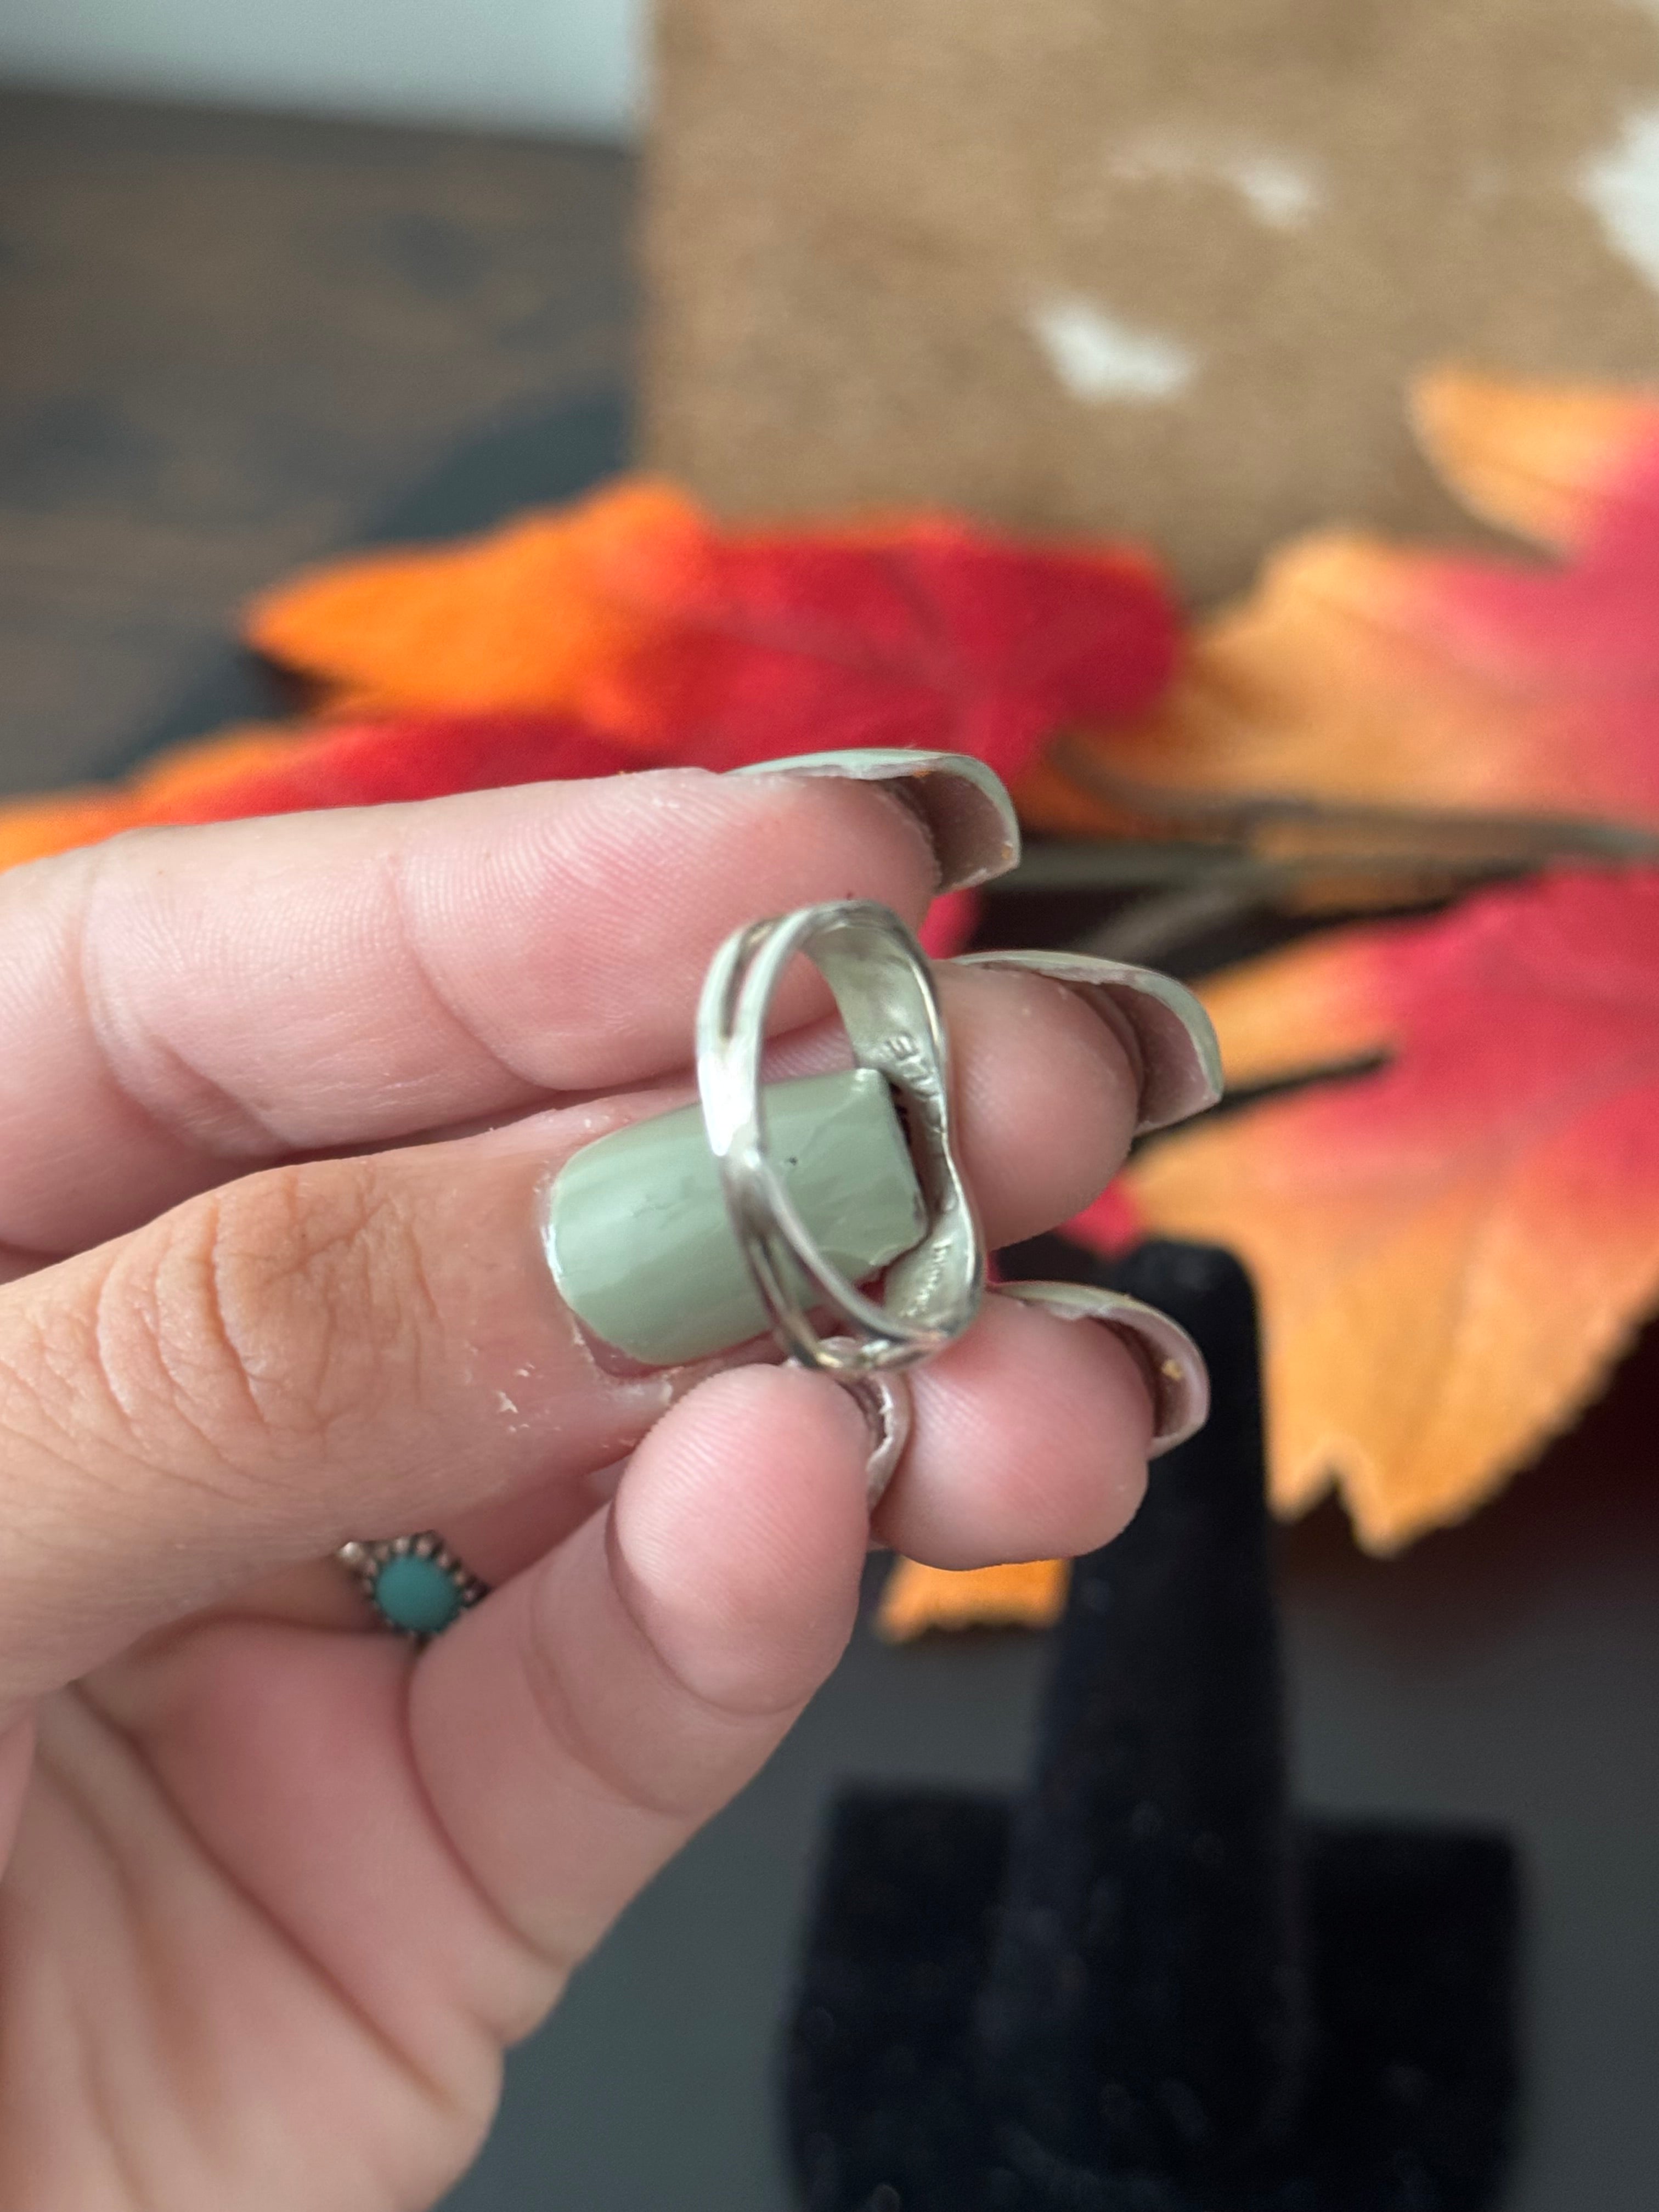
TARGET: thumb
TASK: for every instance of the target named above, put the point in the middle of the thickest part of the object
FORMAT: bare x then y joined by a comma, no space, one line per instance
339,1348
576,1729
16,1750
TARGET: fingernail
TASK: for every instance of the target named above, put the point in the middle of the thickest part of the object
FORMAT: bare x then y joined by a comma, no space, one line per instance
1170,1038
963,806
1175,1373
636,1232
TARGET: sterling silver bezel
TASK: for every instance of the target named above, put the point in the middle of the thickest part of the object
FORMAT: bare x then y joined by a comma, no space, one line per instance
363,1560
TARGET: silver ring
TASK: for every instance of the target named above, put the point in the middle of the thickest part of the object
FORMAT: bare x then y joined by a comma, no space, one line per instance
884,991
882,1396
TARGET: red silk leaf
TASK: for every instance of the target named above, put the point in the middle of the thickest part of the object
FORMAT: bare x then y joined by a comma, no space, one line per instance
928,634
1450,1252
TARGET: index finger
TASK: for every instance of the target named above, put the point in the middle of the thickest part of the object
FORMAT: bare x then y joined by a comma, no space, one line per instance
180,1005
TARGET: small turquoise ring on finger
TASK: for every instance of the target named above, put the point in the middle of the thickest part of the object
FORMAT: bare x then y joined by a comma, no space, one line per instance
417,1585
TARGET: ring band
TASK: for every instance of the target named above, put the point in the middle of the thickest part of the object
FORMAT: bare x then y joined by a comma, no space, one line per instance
884,991
882,1396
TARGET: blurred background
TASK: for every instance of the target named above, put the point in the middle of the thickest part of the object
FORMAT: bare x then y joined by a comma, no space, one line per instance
261,270
539,65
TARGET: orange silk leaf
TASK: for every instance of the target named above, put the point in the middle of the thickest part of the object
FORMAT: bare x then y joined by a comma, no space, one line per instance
1452,1251
522,617
1544,460
1369,674
1028,1595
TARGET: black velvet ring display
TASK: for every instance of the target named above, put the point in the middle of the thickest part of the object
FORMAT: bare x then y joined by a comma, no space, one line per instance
1149,1986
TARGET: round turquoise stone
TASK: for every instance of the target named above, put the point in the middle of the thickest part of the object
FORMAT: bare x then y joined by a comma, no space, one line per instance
417,1595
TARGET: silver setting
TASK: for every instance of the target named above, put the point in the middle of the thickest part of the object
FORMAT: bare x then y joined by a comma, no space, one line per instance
883,1398
363,1560
884,991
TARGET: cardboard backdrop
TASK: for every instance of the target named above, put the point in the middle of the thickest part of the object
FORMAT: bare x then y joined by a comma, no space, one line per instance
1153,266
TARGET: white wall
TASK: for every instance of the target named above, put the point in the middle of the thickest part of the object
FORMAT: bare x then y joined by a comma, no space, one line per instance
524,65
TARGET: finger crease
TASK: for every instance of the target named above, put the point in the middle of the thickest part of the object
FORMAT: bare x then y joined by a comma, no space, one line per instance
558,1715
438,996
238,1132
190,1841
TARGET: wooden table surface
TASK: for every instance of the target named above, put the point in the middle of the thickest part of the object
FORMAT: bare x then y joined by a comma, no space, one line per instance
229,343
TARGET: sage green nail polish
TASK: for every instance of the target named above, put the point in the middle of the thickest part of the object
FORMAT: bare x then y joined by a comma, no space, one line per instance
636,1230
962,804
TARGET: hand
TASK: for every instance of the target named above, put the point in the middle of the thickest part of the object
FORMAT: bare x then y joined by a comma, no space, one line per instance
278,1100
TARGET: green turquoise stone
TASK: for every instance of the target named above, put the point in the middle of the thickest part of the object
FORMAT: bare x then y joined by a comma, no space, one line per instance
416,1595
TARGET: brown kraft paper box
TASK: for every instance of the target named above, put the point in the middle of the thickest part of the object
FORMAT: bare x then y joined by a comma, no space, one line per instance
1160,268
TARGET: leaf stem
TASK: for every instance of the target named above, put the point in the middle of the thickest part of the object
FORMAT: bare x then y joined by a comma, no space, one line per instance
1402,836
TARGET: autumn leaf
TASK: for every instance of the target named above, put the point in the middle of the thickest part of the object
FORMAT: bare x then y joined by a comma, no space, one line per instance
1030,1593
1551,461
626,631
633,613
1451,1249
184,776
1361,673
280,769
927,634
513,621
